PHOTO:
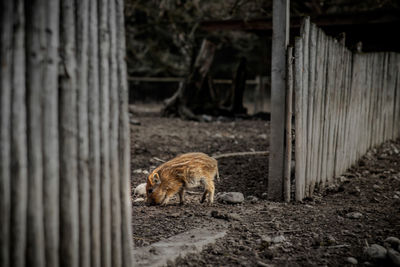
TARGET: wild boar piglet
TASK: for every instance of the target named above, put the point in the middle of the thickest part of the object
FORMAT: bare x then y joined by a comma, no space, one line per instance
175,176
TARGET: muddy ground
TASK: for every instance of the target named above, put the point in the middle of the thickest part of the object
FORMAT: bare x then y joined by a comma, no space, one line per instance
316,232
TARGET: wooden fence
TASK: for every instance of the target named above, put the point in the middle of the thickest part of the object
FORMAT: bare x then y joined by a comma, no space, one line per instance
64,134
345,103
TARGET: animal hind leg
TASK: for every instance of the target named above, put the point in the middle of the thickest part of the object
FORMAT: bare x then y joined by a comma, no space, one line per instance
208,189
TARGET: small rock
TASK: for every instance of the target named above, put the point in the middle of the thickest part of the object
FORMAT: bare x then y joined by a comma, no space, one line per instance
396,197
352,260
263,136
140,190
234,216
354,215
139,199
224,216
252,199
264,195
231,197
392,241
394,257
219,215
134,122
376,187
262,264
355,191
275,239
206,118
343,179
376,252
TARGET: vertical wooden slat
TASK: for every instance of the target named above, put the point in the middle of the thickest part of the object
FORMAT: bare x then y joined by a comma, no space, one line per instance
393,93
104,135
299,140
6,42
50,134
124,140
319,96
326,113
280,39
18,143
396,118
114,167
345,159
82,36
305,29
69,213
339,88
288,128
35,41
94,136
311,146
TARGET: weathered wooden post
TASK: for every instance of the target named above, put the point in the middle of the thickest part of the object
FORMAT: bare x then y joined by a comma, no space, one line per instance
280,40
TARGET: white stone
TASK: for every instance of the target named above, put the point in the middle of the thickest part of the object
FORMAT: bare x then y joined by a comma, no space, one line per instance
352,260
273,239
231,197
140,190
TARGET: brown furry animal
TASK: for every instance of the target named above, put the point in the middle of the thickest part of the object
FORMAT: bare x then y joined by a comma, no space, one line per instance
183,172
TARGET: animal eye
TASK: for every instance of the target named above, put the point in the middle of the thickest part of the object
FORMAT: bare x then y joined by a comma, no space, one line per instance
150,191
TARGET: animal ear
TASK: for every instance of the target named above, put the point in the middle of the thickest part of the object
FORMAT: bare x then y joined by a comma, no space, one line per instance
156,178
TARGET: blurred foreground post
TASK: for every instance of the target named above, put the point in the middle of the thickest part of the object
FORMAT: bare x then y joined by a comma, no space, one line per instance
64,134
280,40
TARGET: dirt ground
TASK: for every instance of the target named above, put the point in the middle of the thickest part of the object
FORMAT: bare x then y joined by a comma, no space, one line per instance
316,232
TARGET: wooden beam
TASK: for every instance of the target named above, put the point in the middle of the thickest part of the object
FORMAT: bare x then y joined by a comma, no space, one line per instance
280,40
319,20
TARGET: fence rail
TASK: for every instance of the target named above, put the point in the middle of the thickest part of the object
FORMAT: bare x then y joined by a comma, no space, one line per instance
345,103
180,79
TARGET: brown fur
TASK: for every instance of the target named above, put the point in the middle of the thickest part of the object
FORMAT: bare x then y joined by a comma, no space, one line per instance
175,176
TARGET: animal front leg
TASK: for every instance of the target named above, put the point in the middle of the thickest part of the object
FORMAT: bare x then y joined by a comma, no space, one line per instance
182,196
167,197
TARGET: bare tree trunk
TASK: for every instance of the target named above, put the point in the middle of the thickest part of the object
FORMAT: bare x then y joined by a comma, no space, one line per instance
193,94
238,87
64,174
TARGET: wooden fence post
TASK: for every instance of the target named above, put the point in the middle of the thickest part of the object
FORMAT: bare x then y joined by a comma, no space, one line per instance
288,126
280,39
299,144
